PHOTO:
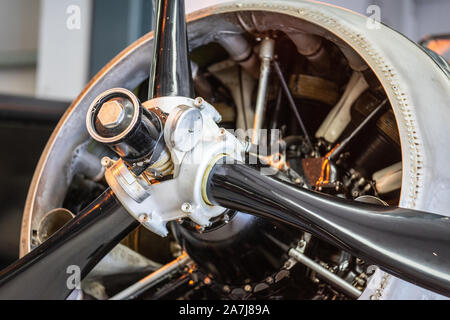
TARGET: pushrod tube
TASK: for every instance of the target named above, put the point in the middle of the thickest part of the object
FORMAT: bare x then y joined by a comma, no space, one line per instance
152,279
412,245
341,147
170,73
266,55
292,104
51,270
325,274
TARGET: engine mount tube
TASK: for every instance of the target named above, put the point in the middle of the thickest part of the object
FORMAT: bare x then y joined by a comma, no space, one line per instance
48,270
412,245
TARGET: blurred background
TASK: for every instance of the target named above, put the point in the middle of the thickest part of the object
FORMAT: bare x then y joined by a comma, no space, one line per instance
49,49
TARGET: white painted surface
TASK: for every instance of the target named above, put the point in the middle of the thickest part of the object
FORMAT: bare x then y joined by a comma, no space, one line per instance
339,117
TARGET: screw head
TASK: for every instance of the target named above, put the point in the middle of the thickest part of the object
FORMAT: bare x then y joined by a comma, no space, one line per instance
143,218
186,207
111,113
198,102
106,162
269,280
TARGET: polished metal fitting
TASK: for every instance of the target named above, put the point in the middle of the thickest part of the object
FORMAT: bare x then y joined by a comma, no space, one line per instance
111,114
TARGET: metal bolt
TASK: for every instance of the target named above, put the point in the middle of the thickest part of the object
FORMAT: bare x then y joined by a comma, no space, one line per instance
186,207
301,244
198,102
248,288
143,217
106,162
111,114
222,133
269,280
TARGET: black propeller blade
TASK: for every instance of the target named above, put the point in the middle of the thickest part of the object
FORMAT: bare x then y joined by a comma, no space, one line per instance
412,245
45,272
170,73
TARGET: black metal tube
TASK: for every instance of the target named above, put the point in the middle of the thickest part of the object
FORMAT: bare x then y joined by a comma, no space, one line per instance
276,114
412,245
45,272
338,151
170,73
292,103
